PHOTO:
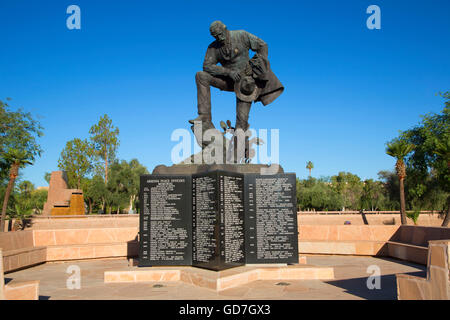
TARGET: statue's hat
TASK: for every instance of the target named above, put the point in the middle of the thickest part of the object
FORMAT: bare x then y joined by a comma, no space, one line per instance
246,89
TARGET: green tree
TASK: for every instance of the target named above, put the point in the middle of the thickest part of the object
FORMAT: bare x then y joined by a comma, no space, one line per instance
349,186
373,195
17,159
94,191
431,157
26,188
19,132
23,200
389,179
399,149
118,192
104,136
309,166
123,185
137,170
38,199
442,151
76,160
414,216
317,194
27,201
47,177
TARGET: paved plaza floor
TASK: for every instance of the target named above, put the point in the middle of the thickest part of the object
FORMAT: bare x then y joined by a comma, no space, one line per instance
351,275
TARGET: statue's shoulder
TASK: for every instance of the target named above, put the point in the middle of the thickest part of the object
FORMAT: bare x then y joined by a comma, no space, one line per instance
238,33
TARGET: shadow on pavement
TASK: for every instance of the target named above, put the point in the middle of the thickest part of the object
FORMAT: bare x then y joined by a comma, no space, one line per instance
358,286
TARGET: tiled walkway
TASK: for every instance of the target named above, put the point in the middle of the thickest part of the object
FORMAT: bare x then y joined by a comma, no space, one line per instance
350,283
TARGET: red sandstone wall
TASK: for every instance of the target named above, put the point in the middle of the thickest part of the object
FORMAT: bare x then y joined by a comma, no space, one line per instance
425,219
124,221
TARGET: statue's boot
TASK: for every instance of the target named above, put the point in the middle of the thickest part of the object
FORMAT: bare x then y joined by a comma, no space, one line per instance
202,118
205,125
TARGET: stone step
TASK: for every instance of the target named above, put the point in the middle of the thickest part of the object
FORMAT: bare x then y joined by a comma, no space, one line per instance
221,280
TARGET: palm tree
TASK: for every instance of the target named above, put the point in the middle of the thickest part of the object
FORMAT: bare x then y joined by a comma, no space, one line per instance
309,166
399,149
17,159
443,150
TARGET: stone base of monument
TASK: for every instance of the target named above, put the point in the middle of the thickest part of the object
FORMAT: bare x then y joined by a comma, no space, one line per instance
134,262
203,168
221,280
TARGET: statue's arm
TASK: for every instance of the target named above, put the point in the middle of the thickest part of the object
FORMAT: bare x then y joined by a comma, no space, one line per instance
255,44
210,64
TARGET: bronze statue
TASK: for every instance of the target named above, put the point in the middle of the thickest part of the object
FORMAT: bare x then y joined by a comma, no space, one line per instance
251,79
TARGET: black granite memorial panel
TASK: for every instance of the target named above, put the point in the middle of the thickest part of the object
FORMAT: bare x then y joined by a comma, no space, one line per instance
218,220
271,234
165,220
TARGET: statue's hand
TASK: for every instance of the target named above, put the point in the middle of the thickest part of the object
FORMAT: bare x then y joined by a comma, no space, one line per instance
235,76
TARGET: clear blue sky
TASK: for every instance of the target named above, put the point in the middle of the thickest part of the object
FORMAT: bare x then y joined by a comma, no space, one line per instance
348,89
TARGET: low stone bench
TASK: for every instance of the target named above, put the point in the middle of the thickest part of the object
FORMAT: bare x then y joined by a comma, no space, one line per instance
17,290
61,237
366,240
411,243
343,247
23,249
404,242
92,251
19,250
407,252
436,286
23,258
402,251
419,235
92,243
346,232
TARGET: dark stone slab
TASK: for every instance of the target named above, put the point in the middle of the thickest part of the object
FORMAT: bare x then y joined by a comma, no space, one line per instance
271,234
165,220
218,220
